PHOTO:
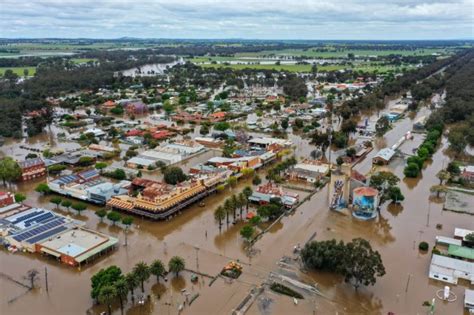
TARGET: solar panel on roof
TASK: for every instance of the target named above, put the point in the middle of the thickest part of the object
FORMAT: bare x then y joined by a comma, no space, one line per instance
25,217
47,234
30,233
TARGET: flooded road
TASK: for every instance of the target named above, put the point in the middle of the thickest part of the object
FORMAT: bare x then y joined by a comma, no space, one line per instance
195,236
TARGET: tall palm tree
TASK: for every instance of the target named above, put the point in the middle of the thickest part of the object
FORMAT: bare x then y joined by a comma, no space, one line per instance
228,209
121,287
219,215
234,202
132,283
157,268
107,295
242,200
247,193
176,264
142,271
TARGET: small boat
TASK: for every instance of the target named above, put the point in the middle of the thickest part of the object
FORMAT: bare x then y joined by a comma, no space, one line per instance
295,301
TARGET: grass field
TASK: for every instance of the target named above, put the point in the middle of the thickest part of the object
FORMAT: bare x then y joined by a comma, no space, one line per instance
82,60
338,53
307,68
19,70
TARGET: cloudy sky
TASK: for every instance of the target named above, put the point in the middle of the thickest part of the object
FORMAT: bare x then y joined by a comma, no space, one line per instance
263,19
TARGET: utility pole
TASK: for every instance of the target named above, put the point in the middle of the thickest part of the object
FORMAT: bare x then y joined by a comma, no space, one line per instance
197,257
408,282
46,278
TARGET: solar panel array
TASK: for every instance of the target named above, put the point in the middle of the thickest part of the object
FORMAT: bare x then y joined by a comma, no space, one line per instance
64,180
88,174
40,232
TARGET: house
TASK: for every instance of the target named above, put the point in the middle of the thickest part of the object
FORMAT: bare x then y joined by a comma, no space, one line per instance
6,199
449,269
383,157
217,116
109,104
308,170
264,193
32,168
136,108
467,173
209,142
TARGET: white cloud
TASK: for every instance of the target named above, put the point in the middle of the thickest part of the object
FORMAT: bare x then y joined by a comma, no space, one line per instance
304,19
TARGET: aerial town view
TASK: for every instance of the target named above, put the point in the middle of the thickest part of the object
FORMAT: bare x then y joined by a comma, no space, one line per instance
251,157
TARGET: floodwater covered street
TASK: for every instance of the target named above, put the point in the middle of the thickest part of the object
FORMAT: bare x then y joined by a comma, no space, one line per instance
195,235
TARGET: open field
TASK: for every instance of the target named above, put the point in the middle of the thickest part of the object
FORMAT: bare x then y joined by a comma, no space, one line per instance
19,70
307,67
82,60
338,53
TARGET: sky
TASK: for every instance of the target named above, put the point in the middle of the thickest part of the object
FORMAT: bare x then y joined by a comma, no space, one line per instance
263,19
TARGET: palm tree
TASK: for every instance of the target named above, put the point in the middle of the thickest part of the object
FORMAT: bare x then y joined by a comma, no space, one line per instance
176,264
157,268
241,200
142,271
228,209
121,287
107,295
247,193
132,283
219,215
234,201
443,176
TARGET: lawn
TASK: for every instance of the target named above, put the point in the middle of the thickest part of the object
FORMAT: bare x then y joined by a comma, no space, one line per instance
18,70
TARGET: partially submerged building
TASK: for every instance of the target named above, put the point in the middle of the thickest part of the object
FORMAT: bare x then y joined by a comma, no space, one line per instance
38,230
450,270
89,186
308,170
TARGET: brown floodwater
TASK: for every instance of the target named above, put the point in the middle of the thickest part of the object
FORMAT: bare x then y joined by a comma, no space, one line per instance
195,235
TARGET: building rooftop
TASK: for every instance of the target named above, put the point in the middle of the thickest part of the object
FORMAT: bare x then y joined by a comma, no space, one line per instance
386,154
461,251
453,264
74,242
31,162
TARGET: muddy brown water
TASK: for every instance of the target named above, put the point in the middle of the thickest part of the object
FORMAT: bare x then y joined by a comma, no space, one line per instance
396,234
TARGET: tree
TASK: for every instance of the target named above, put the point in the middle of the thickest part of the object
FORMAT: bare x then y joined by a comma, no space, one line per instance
157,269
382,125
107,276
395,194
229,208
56,168
127,221
247,232
284,124
56,200
142,272
174,175
118,174
438,189
121,287
222,126
100,166
132,283
85,161
443,176
101,214
453,168
32,276
247,193
9,170
255,220
107,296
20,197
176,264
43,188
114,216
411,170
256,180
79,206
66,204
232,181
219,215
241,201
361,263
469,237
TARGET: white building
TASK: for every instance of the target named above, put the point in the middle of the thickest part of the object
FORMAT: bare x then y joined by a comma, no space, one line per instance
450,270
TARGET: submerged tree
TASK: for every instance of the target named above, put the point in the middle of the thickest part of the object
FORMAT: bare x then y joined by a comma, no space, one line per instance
176,265
142,272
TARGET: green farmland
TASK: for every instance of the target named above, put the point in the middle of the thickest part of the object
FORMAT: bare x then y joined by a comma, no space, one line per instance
19,70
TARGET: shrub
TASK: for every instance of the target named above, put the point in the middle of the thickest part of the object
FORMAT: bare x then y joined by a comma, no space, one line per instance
423,246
